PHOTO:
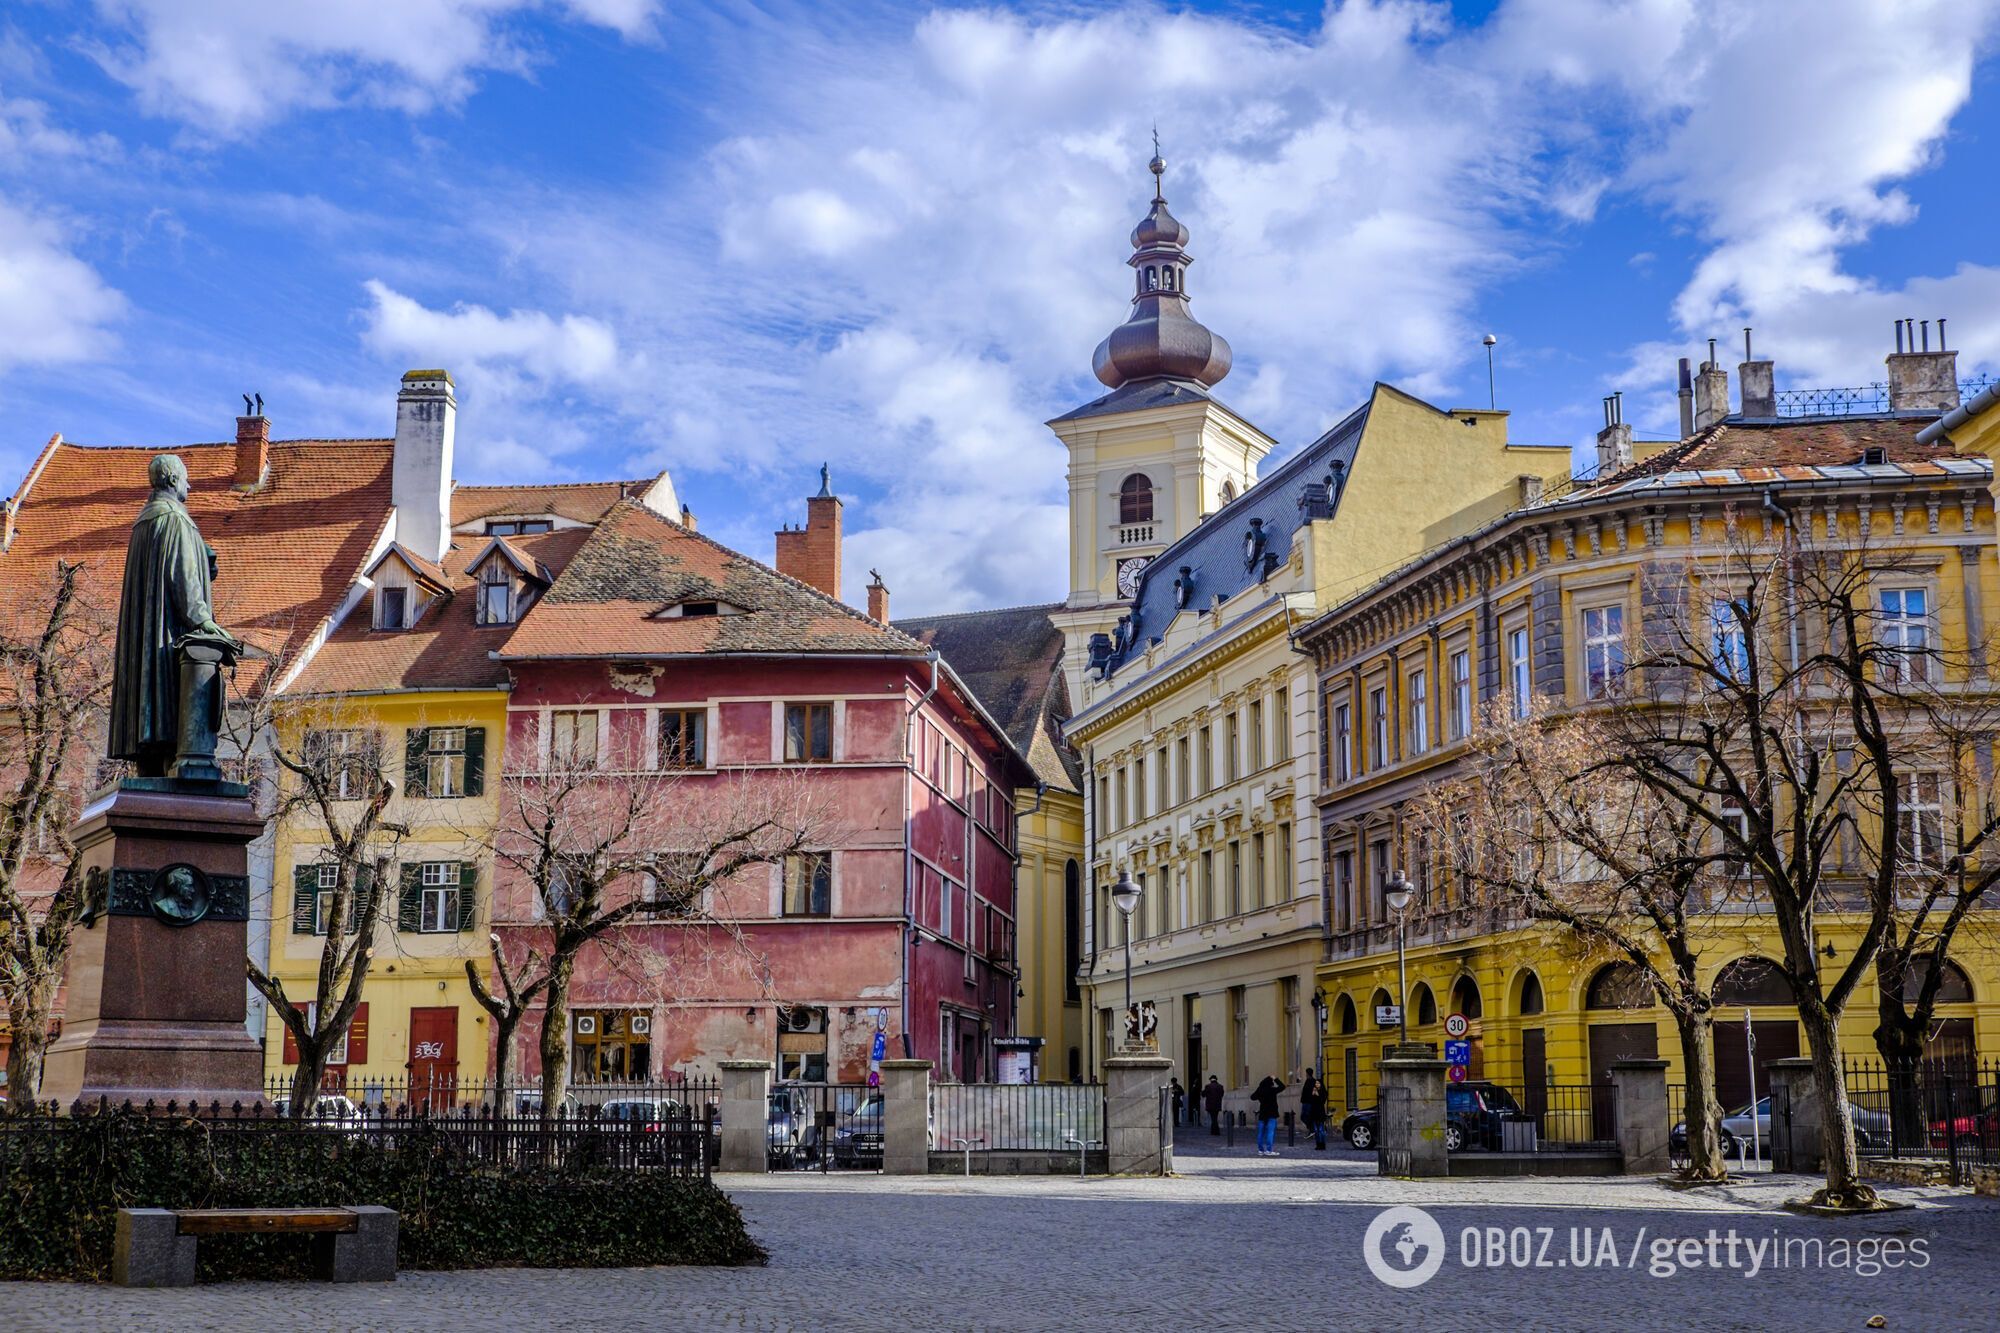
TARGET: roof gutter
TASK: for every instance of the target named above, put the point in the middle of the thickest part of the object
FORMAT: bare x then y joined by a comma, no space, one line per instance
1959,415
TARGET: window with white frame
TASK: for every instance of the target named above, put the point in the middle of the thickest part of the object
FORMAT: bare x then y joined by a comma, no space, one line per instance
1461,694
444,761
1232,740
1420,712
1181,774
1378,727
438,911
1922,822
1343,891
496,594
1729,624
573,736
1905,633
1520,672
327,878
348,760
1256,734
683,737
1281,724
1343,743
1207,760
1735,836
1603,650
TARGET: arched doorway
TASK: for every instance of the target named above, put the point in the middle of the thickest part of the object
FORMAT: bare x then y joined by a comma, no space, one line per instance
1753,989
1529,1004
1950,1039
1347,1022
1465,1000
1618,988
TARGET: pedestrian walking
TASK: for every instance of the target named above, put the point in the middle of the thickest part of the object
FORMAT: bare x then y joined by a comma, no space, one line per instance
1266,1098
1312,1108
1211,1101
1180,1098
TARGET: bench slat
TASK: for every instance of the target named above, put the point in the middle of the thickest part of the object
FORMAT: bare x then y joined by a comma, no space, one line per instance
239,1221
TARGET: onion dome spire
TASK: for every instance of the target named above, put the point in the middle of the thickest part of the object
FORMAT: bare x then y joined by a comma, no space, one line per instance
1160,340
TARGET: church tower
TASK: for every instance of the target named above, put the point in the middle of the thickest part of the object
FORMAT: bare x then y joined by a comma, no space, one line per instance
1149,460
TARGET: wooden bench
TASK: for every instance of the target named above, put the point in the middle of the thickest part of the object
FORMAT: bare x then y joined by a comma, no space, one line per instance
155,1247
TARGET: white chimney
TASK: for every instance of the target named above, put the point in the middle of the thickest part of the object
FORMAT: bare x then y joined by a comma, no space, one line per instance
426,420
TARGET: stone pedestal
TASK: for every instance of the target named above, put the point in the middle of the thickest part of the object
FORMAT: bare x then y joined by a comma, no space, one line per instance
155,1002
1134,1143
1409,1120
1644,1123
1794,1138
746,1115
906,1117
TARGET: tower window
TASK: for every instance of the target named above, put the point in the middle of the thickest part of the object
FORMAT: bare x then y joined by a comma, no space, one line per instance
1152,278
1228,492
1135,499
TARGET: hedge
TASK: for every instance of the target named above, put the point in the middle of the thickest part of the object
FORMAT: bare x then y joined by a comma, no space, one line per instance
65,1178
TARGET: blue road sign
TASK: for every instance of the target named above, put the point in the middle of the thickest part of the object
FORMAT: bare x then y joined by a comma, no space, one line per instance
1458,1052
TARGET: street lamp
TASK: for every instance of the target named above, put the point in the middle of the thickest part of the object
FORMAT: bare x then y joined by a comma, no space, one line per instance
1319,1024
1397,894
1125,897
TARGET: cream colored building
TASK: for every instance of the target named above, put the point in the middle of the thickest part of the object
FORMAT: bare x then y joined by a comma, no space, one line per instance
1196,716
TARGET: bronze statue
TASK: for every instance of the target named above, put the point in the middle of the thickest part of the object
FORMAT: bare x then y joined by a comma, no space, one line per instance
166,694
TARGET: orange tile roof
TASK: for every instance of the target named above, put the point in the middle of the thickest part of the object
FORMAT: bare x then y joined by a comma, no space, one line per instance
446,649
637,563
286,552
583,502
1806,444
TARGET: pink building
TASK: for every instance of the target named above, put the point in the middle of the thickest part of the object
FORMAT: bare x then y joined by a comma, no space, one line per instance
657,647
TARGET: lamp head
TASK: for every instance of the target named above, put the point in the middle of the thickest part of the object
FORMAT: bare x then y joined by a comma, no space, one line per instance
1397,892
1125,894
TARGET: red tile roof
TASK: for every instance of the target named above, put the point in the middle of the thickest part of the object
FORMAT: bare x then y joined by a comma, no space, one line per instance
582,502
446,649
286,552
1790,446
636,563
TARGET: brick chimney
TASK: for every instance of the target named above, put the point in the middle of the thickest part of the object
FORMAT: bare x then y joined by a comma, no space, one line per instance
1921,380
812,554
253,451
420,483
1687,399
1711,392
1757,381
878,597
1614,442
687,518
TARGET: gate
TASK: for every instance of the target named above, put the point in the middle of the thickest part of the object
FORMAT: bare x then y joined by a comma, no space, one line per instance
826,1126
1393,1132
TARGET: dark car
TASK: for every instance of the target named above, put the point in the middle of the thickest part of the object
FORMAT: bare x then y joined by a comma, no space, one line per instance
1472,1112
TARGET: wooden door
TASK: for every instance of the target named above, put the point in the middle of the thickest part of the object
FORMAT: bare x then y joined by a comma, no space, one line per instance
1612,1042
1776,1040
433,1066
1534,1072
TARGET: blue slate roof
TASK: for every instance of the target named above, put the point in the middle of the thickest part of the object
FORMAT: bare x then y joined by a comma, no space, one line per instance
1214,551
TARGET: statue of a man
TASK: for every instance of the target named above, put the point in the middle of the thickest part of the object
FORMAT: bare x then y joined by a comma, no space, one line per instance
164,608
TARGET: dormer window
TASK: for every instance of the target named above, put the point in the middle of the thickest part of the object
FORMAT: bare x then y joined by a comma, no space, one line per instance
701,608
496,594
517,527
392,608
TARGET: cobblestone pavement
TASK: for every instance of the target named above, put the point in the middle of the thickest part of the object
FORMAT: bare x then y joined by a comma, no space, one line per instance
1234,1241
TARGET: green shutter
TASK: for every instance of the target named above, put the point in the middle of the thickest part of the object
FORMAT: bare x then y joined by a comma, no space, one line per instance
364,884
468,894
410,904
416,752
305,887
475,763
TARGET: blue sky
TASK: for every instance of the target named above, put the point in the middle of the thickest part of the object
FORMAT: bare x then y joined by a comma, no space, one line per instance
736,241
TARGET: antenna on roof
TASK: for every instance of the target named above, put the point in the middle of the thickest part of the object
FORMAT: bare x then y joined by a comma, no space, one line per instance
1492,396
246,404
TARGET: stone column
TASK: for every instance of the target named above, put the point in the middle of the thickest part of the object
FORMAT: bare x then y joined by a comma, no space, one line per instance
1795,1148
1410,1083
746,1101
1643,1119
906,1117
1134,1145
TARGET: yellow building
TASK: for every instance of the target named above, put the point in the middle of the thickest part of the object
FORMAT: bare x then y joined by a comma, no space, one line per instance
1532,604
1189,575
404,685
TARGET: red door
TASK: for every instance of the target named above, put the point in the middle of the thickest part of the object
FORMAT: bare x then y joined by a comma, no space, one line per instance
433,1063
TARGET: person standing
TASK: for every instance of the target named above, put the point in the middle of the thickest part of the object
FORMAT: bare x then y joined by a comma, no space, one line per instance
1180,1098
1266,1098
1211,1101
1312,1108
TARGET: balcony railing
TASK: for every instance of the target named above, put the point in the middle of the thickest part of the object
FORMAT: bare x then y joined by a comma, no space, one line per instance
1135,534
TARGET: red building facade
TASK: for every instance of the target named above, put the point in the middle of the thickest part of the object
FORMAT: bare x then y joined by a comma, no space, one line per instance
659,650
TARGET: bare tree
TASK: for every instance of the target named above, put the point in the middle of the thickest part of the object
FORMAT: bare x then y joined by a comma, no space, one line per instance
516,992
597,850
55,676
332,782
1536,824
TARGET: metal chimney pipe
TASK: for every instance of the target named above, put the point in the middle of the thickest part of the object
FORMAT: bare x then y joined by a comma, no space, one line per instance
1927,335
1687,400
1746,346
1941,346
1899,337
1711,351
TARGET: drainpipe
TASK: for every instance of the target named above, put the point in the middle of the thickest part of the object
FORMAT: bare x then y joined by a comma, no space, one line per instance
1087,889
909,919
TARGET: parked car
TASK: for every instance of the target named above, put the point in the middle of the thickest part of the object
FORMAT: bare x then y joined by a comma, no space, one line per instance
857,1136
1472,1114
329,1111
791,1134
649,1118
1981,1126
1871,1130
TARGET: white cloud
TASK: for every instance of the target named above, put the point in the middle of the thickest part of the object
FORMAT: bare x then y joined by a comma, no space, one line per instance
54,308
573,348
231,65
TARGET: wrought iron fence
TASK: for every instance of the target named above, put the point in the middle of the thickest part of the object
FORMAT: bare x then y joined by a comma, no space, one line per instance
515,1097
1856,400
1941,1110
1577,1116
1028,1117
679,1138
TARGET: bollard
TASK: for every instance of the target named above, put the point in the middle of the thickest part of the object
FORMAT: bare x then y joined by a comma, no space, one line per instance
1229,1117
966,1146
1291,1131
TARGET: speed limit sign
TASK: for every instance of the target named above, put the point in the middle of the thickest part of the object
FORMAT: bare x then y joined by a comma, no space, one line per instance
1456,1026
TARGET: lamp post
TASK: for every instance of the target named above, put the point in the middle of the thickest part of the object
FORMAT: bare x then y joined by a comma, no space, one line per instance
1319,1026
1397,894
1125,897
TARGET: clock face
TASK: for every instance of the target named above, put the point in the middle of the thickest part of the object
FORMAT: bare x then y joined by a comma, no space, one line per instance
1128,574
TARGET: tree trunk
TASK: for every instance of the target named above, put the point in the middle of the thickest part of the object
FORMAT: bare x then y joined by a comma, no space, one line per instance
306,1079
1899,1038
29,1014
1844,1187
503,1039
555,1032
1704,1110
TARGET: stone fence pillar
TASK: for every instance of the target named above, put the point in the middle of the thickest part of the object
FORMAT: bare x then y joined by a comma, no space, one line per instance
906,1117
1134,1145
1644,1123
1409,1120
746,1101
1795,1136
